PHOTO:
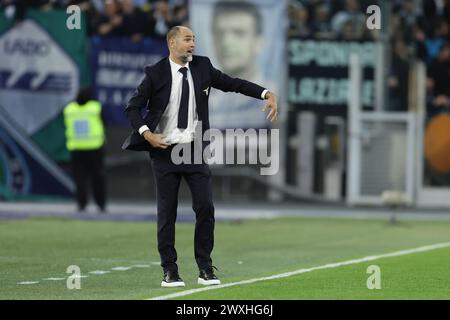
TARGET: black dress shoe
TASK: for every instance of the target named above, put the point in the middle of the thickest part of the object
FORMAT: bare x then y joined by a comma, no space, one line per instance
172,279
207,277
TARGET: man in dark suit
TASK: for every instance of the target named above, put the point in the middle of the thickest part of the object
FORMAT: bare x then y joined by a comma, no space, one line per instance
175,91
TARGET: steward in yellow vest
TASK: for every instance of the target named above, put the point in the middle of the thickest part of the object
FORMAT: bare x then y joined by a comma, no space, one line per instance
84,126
85,138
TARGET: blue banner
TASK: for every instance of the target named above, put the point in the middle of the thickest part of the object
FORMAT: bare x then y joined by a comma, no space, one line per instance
117,68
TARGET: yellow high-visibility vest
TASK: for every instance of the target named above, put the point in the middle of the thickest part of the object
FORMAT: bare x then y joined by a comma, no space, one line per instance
84,126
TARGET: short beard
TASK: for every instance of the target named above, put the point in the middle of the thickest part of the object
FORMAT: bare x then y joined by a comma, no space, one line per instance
186,59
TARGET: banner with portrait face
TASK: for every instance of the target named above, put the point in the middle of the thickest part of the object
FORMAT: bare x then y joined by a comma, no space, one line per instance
244,39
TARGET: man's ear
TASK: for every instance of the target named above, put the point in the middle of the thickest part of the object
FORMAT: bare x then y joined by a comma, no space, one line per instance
172,43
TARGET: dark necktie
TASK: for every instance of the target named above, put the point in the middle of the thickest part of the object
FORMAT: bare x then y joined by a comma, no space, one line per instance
183,110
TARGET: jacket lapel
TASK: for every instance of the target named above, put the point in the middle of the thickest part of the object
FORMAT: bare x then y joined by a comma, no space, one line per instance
196,77
166,81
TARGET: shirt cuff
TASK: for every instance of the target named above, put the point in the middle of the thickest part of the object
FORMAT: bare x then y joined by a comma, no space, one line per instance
143,129
263,94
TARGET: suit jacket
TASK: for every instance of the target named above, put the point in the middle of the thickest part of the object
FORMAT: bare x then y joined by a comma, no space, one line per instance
154,93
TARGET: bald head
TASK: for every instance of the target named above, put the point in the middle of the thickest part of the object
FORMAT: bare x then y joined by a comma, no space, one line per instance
181,44
176,31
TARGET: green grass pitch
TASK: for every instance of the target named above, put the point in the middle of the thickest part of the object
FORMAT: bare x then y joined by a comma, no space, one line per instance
42,248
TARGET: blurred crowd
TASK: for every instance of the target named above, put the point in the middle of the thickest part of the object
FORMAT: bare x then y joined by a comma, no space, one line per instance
417,28
130,18
328,19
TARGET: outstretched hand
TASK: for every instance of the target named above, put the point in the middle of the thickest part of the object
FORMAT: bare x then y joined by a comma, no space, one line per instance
271,104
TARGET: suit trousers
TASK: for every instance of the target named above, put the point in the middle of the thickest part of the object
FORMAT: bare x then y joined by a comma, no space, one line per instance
168,178
88,170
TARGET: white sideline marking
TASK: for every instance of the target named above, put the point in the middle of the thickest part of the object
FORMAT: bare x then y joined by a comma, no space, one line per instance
99,272
141,266
299,271
127,261
28,282
96,272
121,268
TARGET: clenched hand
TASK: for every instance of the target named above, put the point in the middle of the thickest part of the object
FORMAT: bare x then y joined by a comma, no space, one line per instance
155,139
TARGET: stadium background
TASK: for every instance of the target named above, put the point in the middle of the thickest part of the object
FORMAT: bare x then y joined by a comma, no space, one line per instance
344,142
314,158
